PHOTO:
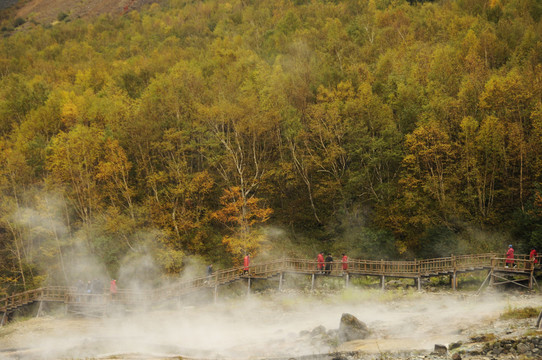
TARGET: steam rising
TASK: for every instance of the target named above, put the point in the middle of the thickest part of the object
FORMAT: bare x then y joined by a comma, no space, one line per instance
269,325
241,327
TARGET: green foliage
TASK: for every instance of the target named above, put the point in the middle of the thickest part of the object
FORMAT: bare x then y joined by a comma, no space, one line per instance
520,313
61,16
18,22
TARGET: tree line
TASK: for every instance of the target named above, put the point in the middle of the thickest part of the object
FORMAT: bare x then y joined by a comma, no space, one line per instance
209,129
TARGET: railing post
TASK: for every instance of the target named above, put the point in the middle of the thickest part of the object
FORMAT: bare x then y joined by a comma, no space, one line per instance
419,273
2,322
491,276
531,280
454,276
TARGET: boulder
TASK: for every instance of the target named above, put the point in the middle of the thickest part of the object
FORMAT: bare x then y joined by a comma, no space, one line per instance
523,348
456,356
319,330
440,349
351,328
455,345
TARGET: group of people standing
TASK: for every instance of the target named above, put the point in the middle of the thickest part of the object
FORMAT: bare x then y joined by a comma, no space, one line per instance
96,287
324,266
509,262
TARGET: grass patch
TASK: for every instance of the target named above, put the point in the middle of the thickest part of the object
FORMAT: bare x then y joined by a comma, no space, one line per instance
523,313
353,295
483,338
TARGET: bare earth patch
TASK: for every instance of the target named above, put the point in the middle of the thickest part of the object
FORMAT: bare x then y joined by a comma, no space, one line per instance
46,11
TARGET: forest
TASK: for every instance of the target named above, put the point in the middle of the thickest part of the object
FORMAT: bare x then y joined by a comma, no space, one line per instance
196,131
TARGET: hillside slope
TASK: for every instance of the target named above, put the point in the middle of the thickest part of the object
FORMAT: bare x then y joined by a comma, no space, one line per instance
46,11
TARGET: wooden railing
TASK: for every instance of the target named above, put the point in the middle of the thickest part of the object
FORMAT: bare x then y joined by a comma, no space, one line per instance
519,263
51,293
415,268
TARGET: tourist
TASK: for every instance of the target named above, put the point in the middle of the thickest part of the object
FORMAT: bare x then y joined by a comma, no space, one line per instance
345,263
246,263
113,289
329,261
532,257
80,289
320,261
510,257
209,272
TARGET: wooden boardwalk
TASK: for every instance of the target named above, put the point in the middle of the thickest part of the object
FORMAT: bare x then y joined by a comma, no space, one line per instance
520,273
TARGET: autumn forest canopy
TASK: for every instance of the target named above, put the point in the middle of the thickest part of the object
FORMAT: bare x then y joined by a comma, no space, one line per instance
202,130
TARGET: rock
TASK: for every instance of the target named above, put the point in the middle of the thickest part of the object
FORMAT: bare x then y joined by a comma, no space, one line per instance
352,329
455,345
440,349
456,356
319,330
523,348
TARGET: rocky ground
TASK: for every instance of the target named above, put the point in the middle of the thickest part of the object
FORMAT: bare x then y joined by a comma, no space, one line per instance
292,325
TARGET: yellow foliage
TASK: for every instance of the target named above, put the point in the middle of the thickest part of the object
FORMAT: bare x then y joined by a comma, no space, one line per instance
69,114
240,244
240,214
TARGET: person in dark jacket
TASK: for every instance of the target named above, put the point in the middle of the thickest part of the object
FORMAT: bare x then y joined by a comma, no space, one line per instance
329,261
209,269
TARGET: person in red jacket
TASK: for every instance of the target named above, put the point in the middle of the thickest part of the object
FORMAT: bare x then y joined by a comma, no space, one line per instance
246,263
510,256
320,260
533,255
345,263
113,288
